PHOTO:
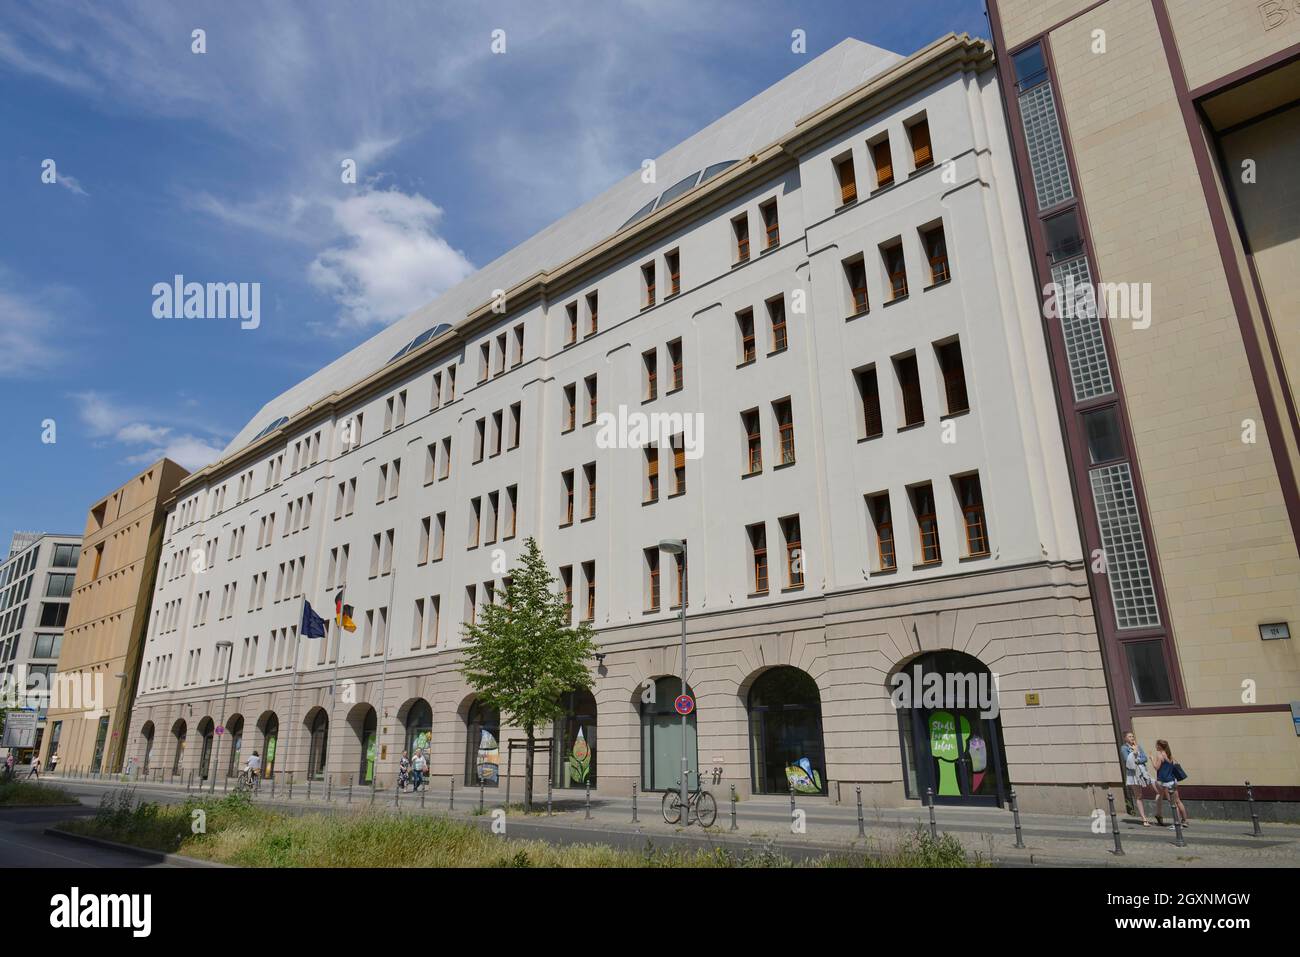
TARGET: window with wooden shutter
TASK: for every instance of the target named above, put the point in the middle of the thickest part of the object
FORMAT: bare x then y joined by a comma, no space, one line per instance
745,325
954,377
758,546
793,552
909,385
648,284
679,560
921,153
589,574
753,442
673,261
652,474
679,465
848,183
593,313
776,313
566,480
770,223
869,391
652,579
675,357
650,360
883,521
896,268
884,163
785,429
972,513
926,524
936,251
740,229
855,274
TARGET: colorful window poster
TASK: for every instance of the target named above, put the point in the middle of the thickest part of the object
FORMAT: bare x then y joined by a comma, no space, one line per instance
803,777
946,749
488,765
580,759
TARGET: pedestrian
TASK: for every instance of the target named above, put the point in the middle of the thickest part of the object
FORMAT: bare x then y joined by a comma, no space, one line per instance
1137,776
403,771
54,762
1168,773
35,770
9,765
419,766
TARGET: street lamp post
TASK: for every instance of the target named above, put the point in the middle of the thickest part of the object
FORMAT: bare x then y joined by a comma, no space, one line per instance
115,748
676,546
216,761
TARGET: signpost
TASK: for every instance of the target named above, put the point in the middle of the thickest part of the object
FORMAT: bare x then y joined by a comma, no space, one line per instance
20,730
684,704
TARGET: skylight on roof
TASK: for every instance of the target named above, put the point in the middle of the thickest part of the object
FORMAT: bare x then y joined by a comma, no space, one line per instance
680,188
270,428
420,340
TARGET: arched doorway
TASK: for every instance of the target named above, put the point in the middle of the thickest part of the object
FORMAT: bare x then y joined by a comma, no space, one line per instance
949,729
362,721
318,724
235,732
661,737
574,760
419,728
785,733
269,725
178,733
147,734
482,745
206,735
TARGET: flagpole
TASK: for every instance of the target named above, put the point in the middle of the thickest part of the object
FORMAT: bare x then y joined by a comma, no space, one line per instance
293,688
383,679
338,653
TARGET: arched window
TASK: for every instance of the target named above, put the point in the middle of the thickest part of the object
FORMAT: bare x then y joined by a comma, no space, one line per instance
483,746
205,754
318,754
661,738
574,759
147,733
949,731
419,728
785,733
366,736
270,725
178,733
235,731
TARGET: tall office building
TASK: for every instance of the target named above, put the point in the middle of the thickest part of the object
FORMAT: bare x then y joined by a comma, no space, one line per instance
105,626
1156,144
35,588
823,311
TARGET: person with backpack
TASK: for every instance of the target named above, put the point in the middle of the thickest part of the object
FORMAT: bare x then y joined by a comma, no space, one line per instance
1168,774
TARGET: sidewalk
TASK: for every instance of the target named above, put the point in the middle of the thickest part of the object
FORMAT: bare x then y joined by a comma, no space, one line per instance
1049,839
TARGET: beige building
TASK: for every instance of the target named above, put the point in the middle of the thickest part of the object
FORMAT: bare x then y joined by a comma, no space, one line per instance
828,291
1157,144
100,657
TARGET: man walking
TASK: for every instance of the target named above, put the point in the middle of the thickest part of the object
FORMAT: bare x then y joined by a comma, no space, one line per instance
35,770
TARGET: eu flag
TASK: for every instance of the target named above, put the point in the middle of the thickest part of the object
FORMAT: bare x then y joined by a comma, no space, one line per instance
313,625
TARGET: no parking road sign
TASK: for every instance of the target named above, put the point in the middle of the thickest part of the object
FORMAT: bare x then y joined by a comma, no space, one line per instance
684,704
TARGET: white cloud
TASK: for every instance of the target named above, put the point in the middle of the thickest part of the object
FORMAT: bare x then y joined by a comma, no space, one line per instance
390,259
71,183
111,422
31,340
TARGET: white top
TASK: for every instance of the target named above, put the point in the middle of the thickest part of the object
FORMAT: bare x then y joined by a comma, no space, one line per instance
254,762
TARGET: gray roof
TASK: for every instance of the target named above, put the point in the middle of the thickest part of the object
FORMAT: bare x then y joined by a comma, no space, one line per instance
744,131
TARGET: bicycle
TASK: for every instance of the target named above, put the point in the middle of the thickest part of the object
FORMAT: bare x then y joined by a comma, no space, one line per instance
699,800
247,781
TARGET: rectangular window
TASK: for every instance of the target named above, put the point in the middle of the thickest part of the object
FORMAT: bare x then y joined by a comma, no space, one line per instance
675,358
566,497
471,604
566,588
435,392
484,361
936,251
493,513
435,620
475,519
745,328
909,387
784,415
1148,673
570,408
971,499
882,521
673,261
519,345
758,552
847,182
516,415
954,376
681,589
771,226
869,397
919,134
793,552
423,550
589,582
891,255
927,525
740,231
480,439
855,274
880,155
652,579
651,491
753,442
589,474
571,324
497,429
679,464
446,457
650,363
590,382
501,353
1101,428
440,536
512,510
776,313
430,466
647,285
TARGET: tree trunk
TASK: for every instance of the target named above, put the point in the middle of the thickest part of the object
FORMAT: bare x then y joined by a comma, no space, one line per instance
528,771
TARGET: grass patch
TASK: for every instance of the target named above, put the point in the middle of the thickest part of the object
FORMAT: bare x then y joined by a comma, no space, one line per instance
29,794
234,831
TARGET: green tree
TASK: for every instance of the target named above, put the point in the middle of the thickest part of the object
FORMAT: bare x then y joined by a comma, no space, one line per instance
522,655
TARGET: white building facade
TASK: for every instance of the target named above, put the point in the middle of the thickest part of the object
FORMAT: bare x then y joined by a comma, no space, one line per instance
827,293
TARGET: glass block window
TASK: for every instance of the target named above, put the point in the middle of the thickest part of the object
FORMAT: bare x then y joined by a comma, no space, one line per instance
1046,151
1127,568
1085,347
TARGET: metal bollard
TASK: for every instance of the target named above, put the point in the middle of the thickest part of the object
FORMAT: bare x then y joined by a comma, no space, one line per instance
1178,824
480,796
1015,818
329,787
1254,815
862,824
190,782
273,787
1114,825
349,792
422,791
397,797
291,785
588,815
634,818
451,806
792,807
309,789
225,784
934,828
733,809
548,796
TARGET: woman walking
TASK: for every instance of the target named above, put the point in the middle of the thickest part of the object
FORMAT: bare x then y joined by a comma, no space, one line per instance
1168,774
1137,777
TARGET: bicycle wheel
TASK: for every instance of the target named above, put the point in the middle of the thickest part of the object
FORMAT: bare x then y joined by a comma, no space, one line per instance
706,809
672,807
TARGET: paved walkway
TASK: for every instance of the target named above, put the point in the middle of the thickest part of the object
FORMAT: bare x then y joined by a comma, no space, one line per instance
1049,839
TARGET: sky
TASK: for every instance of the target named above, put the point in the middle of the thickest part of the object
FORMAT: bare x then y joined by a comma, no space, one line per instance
126,158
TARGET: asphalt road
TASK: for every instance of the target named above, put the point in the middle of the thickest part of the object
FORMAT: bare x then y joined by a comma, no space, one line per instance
24,843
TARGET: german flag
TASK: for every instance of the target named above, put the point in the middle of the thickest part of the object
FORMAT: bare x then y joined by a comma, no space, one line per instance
343,613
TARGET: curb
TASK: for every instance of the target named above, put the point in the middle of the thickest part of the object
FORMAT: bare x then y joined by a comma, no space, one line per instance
160,857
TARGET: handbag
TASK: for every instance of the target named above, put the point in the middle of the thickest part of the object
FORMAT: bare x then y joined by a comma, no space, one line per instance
1179,773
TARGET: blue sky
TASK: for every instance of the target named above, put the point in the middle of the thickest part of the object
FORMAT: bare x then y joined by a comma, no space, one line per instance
225,166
